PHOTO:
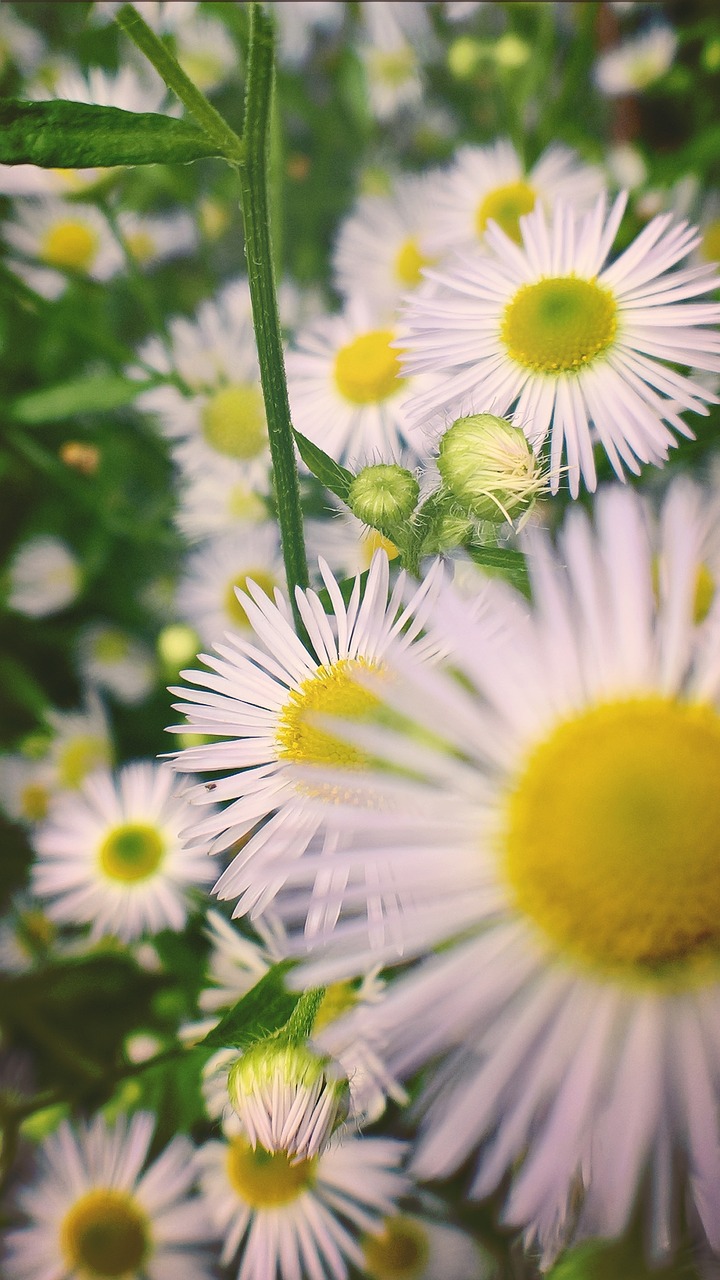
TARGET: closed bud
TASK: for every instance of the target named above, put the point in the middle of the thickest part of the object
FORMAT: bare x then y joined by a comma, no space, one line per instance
489,468
289,1097
384,495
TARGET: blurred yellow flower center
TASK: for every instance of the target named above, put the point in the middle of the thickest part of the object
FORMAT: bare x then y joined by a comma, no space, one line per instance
371,541
141,245
78,757
202,66
233,421
392,68
72,246
265,1180
132,852
612,836
332,691
367,369
338,999
243,504
559,325
400,1252
506,206
36,931
111,646
410,261
34,801
704,593
710,244
234,610
105,1234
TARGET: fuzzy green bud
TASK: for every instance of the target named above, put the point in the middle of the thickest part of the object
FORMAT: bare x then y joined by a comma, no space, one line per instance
489,468
289,1097
383,496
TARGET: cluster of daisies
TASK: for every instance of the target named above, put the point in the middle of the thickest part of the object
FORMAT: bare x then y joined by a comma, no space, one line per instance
475,827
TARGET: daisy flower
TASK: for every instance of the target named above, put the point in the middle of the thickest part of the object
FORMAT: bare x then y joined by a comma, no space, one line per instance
346,385
80,742
151,240
43,578
109,658
491,184
259,703
206,51
637,63
411,1246
388,47
207,597
573,1007
301,23
304,1216
111,856
98,1210
215,500
56,239
380,251
575,347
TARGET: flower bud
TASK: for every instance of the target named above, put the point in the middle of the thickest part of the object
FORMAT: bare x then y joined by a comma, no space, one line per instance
384,495
289,1097
489,468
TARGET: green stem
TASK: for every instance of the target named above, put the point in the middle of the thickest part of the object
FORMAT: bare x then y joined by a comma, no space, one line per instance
210,120
258,250
299,1025
141,288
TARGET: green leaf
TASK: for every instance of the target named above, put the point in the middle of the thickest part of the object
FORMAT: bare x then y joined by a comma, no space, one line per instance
74,135
95,393
262,1011
504,562
329,472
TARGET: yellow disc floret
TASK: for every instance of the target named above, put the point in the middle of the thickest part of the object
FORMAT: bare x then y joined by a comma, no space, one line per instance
367,369
611,842
332,691
105,1235
559,325
400,1252
506,206
233,421
79,756
409,262
339,998
132,852
710,243
72,246
265,1180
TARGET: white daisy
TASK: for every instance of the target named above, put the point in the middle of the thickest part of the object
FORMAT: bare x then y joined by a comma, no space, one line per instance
346,386
207,597
19,44
109,658
301,1217
262,702
216,500
206,51
411,1246
43,578
56,239
151,240
576,998
111,856
97,1210
389,46
490,183
638,62
80,742
301,23
380,250
577,348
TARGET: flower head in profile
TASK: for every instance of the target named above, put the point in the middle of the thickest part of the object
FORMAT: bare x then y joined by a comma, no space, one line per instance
638,62
97,1209
582,350
44,577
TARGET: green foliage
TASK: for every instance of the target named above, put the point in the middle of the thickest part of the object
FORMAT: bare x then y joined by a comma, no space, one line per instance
264,1009
95,393
329,472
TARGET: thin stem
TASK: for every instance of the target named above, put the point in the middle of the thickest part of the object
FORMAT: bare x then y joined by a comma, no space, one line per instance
210,120
143,291
263,294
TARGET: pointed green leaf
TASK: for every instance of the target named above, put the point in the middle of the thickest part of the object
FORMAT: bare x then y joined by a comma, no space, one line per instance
74,135
262,1011
96,393
504,562
329,472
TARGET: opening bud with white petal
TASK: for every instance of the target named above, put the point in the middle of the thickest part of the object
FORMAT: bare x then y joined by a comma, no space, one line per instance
383,496
289,1097
489,468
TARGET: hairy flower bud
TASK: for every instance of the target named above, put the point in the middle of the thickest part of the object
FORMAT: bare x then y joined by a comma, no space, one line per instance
384,495
289,1097
489,468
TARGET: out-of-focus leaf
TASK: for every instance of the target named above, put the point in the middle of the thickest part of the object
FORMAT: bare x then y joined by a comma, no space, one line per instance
96,393
263,1010
75,135
329,472
504,562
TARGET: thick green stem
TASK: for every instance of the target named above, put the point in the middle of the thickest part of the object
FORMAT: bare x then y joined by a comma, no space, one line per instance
263,294
172,73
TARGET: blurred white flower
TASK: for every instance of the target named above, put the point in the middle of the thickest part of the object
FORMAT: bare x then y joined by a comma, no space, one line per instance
636,63
43,577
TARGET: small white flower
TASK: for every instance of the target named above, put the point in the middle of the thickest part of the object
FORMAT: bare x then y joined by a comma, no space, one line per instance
110,658
111,856
381,251
97,1210
288,1097
207,597
80,743
637,63
578,349
411,1246
157,239
389,48
215,500
44,577
56,238
206,52
300,24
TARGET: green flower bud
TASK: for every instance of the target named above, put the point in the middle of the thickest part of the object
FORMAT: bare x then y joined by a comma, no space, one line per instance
489,468
289,1097
383,496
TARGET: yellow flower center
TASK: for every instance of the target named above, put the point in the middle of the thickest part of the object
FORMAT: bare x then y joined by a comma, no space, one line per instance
132,852
35,931
233,421
243,504
371,541
611,839
141,245
338,998
559,325
393,68
409,262
400,1252
265,1180
34,801
506,206
105,1234
710,244
332,691
704,593
72,246
78,757
234,610
367,369
202,66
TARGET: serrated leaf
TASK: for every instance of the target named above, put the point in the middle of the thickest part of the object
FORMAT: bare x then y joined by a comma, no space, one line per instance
75,135
262,1011
329,472
96,393
504,562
